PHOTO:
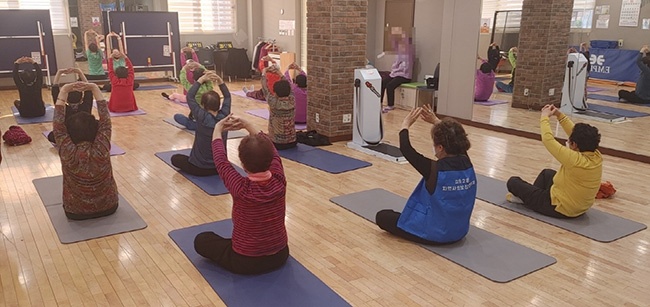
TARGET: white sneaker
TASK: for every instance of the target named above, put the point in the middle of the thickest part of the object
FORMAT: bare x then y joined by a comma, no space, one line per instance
245,90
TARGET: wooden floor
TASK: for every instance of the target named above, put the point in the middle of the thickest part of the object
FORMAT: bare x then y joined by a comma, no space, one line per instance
629,135
364,265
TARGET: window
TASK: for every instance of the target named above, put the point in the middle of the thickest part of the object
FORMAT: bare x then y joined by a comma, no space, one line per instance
204,16
583,10
58,11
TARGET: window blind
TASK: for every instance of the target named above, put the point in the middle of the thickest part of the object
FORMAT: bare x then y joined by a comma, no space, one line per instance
204,16
58,11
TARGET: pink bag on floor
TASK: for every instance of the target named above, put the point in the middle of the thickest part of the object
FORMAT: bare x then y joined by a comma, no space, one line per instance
16,136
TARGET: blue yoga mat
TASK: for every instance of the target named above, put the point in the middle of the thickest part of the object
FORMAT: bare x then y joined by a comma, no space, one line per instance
291,285
617,111
48,117
603,97
155,87
322,159
213,185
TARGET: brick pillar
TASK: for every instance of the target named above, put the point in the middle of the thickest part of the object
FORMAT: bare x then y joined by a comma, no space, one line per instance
336,45
543,44
87,10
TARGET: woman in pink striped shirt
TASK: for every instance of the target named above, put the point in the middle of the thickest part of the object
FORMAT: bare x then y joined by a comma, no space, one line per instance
259,237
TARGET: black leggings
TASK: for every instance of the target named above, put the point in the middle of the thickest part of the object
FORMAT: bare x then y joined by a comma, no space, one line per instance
218,249
536,196
631,97
387,220
183,163
388,85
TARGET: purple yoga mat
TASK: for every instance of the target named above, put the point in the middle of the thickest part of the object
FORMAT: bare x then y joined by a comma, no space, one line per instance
264,113
48,117
118,114
490,102
115,150
592,89
242,94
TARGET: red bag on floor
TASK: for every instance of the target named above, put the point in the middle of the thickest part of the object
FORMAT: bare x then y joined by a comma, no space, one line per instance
16,136
606,190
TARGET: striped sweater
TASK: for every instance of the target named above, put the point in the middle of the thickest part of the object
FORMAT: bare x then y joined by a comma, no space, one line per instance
258,207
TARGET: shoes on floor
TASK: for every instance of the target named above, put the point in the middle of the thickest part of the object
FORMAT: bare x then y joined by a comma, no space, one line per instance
246,90
164,95
387,109
513,199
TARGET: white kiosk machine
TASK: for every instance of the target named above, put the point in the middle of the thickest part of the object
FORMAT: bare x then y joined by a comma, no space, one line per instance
367,125
574,101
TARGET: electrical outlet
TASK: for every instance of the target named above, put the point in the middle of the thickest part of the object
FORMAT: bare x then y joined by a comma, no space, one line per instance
551,92
526,92
317,118
347,118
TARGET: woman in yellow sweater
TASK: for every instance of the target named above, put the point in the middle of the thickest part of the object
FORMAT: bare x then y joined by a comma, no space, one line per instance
571,191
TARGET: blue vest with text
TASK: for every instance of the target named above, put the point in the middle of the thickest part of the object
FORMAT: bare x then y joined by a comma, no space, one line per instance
443,216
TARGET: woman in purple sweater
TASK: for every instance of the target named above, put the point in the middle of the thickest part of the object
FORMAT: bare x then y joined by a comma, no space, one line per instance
401,71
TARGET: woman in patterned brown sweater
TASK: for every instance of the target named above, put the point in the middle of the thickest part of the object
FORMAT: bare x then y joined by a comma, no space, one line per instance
89,189
282,110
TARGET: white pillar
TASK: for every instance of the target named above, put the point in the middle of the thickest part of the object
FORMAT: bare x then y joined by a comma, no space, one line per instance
458,50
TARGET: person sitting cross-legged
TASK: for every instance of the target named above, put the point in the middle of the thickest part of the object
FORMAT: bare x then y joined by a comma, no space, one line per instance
282,106
259,237
641,93
29,82
571,191
200,161
84,144
122,97
439,209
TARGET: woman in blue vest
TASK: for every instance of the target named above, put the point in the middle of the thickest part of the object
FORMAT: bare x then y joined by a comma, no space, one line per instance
438,210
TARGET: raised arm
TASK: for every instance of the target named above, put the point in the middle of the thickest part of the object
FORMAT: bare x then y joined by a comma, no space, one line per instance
103,137
639,61
421,163
19,83
58,126
196,109
86,43
560,152
39,73
129,66
111,72
227,100
120,44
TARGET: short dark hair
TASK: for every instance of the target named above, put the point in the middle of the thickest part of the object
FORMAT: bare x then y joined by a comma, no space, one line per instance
451,135
256,153
486,68
188,56
74,97
282,88
646,60
211,101
301,81
82,127
93,47
28,75
122,72
585,136
197,73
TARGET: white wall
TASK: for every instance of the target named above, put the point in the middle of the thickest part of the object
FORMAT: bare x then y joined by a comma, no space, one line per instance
633,38
460,33
271,18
